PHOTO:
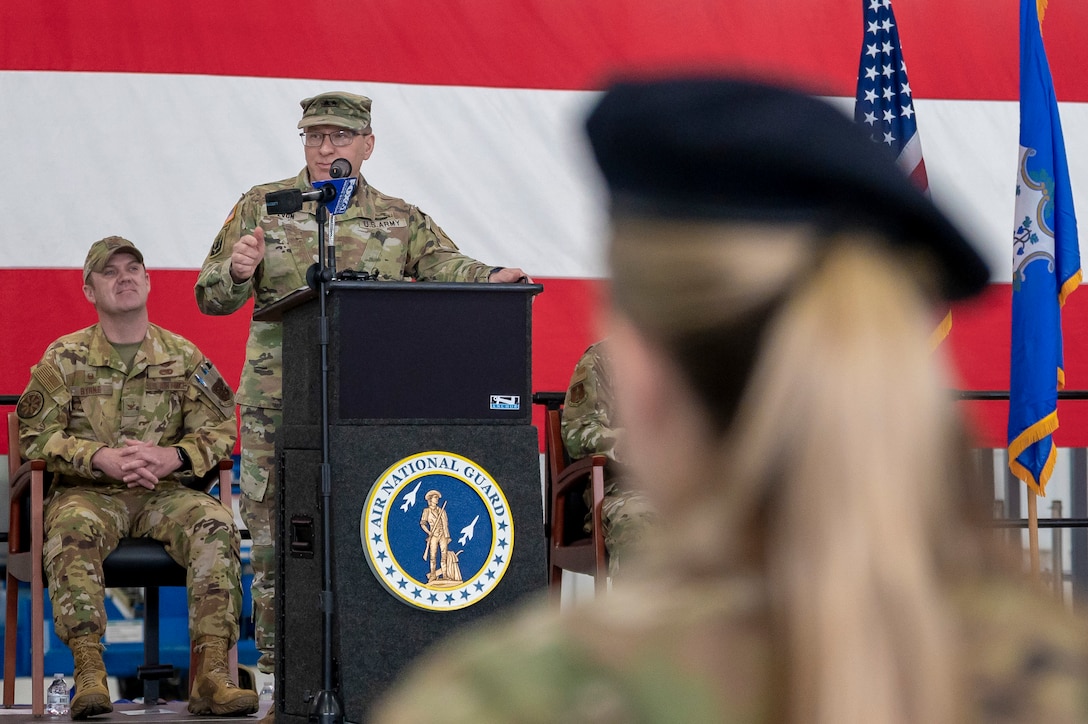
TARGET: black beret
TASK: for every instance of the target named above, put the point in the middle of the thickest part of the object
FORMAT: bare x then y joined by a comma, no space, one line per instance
720,148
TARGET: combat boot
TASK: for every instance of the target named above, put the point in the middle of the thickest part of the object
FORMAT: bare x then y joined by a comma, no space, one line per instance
213,691
92,695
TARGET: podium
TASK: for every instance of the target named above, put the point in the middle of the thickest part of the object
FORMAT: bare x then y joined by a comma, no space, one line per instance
429,397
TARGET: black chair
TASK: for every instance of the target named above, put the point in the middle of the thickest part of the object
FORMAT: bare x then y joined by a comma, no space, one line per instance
136,563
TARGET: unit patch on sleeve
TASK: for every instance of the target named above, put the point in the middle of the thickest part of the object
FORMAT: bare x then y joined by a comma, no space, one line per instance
30,404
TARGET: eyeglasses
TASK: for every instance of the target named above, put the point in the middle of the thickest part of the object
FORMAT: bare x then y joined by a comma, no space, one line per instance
314,139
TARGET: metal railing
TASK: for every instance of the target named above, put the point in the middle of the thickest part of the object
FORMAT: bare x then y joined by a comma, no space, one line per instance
1078,524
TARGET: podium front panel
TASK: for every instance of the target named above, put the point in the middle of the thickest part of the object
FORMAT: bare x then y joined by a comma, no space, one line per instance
376,635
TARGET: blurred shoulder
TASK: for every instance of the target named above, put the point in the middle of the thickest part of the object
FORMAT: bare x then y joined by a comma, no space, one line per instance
1025,654
632,656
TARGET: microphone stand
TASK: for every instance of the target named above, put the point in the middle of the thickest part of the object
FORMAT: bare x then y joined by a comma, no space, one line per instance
330,244
326,707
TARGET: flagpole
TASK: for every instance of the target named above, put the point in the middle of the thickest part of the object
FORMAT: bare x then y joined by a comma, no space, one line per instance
1033,533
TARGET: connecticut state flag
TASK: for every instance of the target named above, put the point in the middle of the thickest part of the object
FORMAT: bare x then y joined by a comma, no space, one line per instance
1046,263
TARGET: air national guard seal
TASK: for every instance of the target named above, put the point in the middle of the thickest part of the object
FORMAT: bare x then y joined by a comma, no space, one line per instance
437,531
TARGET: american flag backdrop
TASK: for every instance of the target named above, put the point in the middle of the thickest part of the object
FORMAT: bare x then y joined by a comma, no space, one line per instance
149,119
884,103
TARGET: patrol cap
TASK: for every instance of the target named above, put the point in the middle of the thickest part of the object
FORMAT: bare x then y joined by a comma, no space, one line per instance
337,108
101,251
721,148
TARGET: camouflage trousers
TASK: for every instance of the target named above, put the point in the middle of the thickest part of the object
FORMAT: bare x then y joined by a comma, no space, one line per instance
258,509
625,514
84,524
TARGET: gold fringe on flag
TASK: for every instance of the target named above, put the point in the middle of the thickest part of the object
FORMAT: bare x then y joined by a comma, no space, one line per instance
1023,441
1069,287
941,332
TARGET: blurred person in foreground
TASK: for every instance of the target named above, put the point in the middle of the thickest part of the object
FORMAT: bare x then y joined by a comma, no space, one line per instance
820,553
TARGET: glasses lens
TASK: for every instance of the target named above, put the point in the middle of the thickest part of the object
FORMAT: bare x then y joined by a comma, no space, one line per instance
341,138
313,139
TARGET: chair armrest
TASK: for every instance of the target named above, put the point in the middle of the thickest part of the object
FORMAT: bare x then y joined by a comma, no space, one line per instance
579,471
583,473
27,494
221,476
21,484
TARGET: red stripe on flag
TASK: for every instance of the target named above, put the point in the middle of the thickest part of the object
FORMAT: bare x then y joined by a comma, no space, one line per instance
559,44
918,176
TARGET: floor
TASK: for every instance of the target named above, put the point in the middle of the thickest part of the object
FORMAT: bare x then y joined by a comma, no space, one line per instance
173,711
124,711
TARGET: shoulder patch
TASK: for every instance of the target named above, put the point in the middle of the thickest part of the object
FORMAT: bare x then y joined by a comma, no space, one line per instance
47,377
217,246
213,387
577,393
30,404
230,216
221,390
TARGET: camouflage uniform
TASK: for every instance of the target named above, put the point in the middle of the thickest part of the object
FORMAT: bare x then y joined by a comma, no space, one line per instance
81,399
703,651
589,428
383,236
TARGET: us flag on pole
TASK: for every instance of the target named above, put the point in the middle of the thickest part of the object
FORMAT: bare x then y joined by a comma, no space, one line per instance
885,104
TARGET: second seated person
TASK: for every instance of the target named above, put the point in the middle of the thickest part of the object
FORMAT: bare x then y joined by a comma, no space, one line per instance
590,427
266,256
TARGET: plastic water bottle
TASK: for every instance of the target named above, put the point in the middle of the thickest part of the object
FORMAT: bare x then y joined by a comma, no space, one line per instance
56,697
267,692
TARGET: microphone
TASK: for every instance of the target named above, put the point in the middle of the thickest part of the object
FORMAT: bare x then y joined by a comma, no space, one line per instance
288,201
335,193
340,168
343,185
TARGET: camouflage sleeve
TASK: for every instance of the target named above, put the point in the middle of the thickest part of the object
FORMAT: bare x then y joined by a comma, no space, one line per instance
216,292
44,410
535,666
210,424
432,255
587,424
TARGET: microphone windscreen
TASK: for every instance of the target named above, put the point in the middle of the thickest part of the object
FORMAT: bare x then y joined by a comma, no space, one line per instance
312,276
287,201
340,168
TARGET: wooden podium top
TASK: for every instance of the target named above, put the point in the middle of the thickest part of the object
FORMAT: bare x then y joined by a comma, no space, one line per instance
274,311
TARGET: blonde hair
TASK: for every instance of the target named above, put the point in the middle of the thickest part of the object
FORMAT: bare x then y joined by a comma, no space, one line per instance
840,464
